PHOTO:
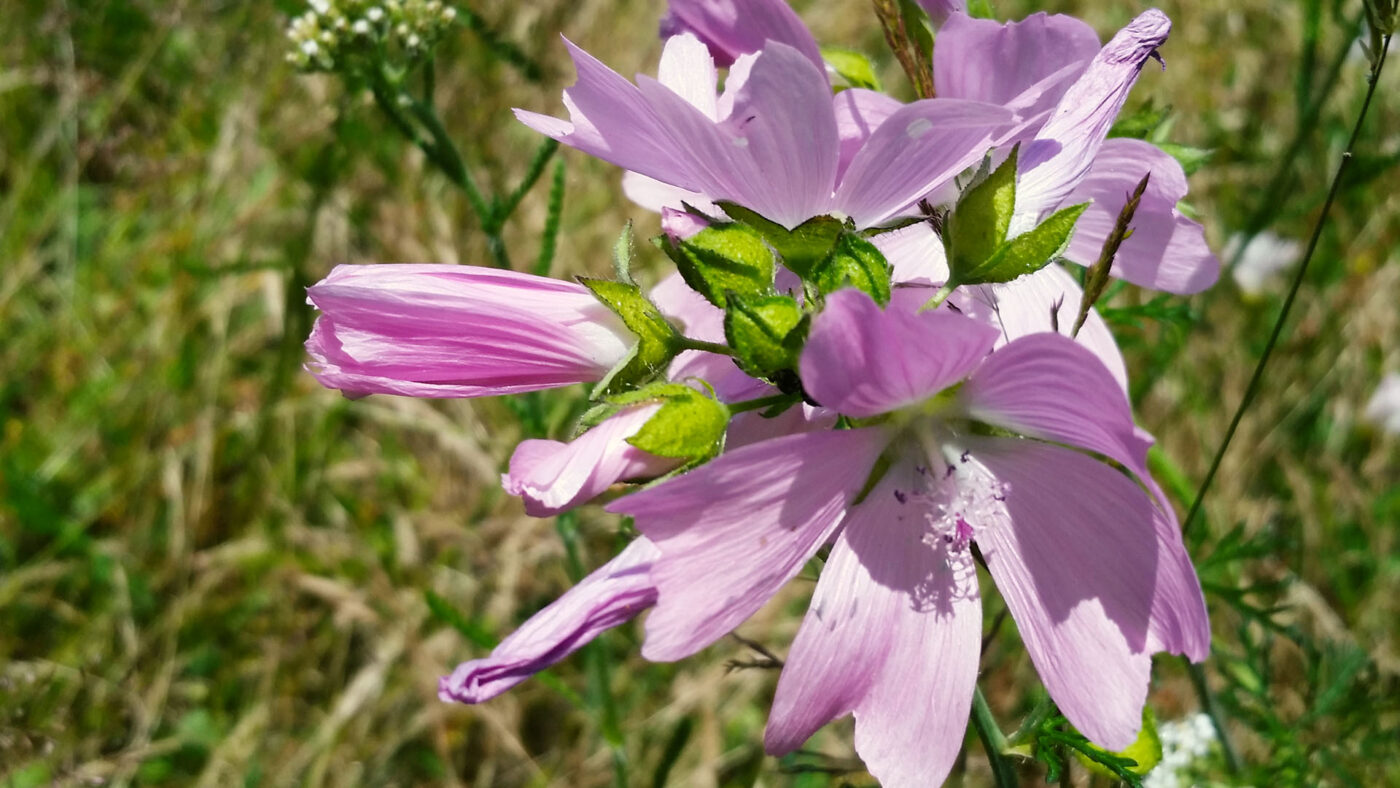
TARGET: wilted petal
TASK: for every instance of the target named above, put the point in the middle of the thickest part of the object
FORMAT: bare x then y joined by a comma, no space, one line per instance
862,361
457,331
731,28
1076,560
1059,157
551,476
917,149
893,635
612,595
985,60
1166,250
734,530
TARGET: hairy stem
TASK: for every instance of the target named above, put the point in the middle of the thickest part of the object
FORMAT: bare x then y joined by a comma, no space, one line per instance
992,741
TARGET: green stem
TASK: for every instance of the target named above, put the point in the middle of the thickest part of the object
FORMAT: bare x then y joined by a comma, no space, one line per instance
939,297
992,741
687,343
1216,714
1253,388
760,403
1042,711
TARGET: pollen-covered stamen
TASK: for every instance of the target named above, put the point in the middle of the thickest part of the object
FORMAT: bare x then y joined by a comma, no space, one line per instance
959,499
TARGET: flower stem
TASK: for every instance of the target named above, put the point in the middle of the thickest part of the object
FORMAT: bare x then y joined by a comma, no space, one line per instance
762,402
688,343
1253,388
992,741
939,297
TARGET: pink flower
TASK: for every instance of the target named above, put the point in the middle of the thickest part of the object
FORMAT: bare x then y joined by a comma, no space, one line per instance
732,28
1091,566
772,142
457,331
612,595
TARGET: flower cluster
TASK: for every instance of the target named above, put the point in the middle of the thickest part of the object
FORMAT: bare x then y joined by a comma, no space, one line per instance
869,345
1184,743
335,33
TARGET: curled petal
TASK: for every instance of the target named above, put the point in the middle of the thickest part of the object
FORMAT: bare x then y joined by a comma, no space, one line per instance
457,331
551,476
612,595
1059,157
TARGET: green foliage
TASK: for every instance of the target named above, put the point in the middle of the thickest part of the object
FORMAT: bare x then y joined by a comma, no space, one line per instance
766,332
657,341
978,225
852,66
1026,253
802,247
854,262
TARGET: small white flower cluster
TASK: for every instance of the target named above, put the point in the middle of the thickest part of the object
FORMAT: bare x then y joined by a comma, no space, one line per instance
1184,742
334,32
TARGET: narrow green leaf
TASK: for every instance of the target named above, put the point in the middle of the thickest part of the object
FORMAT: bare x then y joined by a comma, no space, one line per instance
802,247
759,329
851,66
855,262
979,222
1028,252
723,258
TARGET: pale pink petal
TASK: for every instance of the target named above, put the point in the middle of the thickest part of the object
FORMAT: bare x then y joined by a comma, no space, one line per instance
688,70
915,253
893,635
1059,158
1046,386
457,331
1075,558
609,118
612,595
734,530
858,113
1047,300
660,197
551,476
862,361
915,151
985,60
736,27
1166,250
1180,623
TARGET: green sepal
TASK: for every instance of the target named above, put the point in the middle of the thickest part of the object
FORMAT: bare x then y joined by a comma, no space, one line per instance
723,258
622,255
1026,253
851,66
1144,753
657,340
766,332
802,247
854,262
689,426
977,227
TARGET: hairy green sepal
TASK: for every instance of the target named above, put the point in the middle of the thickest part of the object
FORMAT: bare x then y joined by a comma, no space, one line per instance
723,258
657,340
801,248
689,426
979,222
1028,252
766,333
854,262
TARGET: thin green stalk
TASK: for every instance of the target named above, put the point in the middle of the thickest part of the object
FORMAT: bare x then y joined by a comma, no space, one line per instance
992,741
709,347
1253,388
1042,711
1216,714
760,403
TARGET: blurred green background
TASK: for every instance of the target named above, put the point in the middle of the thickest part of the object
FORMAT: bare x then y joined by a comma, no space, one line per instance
213,572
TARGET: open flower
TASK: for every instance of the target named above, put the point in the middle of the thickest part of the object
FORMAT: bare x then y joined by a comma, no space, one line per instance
1091,567
457,331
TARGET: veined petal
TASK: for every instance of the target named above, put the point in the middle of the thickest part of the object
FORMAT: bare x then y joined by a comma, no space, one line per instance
862,361
915,253
985,60
617,591
457,331
688,70
551,476
1166,250
731,28
610,118
1059,157
1180,623
1076,560
1047,300
858,113
1046,386
656,196
734,530
893,635
914,151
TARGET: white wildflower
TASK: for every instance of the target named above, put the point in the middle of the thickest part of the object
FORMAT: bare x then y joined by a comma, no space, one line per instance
1384,408
1264,258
